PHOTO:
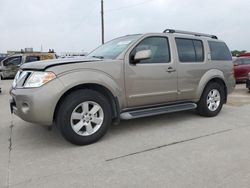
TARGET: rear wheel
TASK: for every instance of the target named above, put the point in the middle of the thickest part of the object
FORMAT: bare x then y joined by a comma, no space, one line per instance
212,100
84,117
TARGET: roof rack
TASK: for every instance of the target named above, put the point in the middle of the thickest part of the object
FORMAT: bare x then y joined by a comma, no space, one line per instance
189,33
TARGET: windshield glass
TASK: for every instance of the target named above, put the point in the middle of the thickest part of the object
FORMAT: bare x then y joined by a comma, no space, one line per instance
113,48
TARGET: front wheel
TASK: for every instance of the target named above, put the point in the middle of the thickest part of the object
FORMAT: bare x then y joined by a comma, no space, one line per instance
84,117
212,100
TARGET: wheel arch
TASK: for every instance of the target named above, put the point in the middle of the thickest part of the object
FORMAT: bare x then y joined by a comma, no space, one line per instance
216,76
96,87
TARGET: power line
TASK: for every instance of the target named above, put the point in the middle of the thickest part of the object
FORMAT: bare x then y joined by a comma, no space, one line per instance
128,6
83,19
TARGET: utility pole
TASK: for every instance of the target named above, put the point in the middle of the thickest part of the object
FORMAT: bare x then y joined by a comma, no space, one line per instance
102,21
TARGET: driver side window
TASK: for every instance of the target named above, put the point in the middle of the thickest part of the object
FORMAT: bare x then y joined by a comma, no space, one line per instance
159,46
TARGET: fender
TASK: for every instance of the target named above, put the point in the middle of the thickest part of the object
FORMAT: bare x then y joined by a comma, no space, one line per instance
71,79
208,76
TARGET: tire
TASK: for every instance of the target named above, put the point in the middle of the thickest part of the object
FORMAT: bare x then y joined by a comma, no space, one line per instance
208,105
96,124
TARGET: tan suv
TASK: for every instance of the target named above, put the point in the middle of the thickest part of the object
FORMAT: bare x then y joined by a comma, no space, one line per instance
129,77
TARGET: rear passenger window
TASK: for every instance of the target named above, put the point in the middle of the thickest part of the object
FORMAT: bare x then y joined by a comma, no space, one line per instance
190,50
32,58
219,51
199,50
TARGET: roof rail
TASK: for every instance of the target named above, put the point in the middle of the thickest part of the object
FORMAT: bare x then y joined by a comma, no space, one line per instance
189,33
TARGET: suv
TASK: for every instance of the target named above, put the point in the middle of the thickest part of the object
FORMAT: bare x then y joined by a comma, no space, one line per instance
10,65
129,77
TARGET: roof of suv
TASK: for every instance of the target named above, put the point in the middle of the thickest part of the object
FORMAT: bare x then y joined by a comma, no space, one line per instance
186,34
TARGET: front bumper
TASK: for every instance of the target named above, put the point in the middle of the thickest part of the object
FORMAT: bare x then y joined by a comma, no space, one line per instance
36,105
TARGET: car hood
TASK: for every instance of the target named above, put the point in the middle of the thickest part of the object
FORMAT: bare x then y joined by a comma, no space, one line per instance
42,65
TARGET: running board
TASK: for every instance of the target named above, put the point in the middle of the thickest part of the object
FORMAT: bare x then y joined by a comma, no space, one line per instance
157,110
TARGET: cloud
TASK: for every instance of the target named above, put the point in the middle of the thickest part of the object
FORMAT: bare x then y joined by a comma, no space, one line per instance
67,25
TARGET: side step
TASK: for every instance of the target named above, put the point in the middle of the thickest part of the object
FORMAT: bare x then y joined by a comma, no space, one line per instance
157,110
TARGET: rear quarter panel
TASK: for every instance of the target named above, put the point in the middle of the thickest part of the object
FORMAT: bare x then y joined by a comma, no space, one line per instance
218,69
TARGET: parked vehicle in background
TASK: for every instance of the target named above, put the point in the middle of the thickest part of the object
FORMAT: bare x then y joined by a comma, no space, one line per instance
248,81
10,65
129,77
2,58
246,54
241,68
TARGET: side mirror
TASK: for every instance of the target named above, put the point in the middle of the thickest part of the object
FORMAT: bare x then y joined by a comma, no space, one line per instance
236,64
142,55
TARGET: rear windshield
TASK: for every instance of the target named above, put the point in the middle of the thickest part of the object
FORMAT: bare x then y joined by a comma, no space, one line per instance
219,51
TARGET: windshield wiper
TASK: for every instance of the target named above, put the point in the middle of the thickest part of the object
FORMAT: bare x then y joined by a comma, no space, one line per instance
99,57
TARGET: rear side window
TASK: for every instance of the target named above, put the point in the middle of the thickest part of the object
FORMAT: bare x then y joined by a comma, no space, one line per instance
219,51
32,58
190,50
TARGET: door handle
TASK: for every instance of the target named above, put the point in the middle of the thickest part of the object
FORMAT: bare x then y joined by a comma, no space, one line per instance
170,69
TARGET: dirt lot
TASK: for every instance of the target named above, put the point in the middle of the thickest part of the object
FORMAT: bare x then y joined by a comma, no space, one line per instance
172,150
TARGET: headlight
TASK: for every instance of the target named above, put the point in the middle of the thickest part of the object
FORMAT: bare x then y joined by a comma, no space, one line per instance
37,79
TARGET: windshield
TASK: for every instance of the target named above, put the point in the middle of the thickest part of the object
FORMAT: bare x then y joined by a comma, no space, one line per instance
113,48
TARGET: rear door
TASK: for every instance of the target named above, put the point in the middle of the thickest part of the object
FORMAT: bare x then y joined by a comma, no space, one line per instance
152,81
191,66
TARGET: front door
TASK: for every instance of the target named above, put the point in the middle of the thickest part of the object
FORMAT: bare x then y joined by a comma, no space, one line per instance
151,81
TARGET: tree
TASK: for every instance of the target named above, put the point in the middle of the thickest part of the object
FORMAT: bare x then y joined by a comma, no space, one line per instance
237,52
